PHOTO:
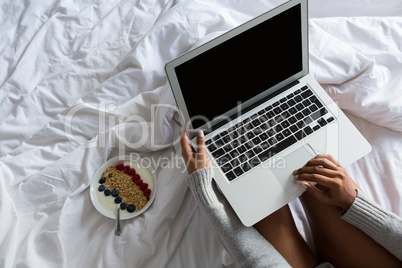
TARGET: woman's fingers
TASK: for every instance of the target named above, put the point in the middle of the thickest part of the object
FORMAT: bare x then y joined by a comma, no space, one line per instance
326,161
186,148
320,165
201,155
315,177
316,192
333,184
201,142
330,158
317,169
194,159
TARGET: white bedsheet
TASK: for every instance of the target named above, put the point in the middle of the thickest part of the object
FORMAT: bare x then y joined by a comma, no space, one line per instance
355,54
78,83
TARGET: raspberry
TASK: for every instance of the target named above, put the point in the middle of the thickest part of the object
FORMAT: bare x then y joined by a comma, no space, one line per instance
147,192
131,171
144,186
120,167
138,182
136,177
126,169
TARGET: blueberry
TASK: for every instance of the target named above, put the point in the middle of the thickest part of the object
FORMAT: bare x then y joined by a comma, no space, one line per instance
123,206
115,192
118,200
101,188
102,180
107,192
131,208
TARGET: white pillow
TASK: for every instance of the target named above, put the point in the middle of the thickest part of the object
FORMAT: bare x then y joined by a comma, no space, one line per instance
359,65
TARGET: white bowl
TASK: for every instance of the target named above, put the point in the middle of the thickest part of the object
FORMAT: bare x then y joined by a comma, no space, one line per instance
105,204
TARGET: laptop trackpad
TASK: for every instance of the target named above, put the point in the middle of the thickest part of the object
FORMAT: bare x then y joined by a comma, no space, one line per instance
284,167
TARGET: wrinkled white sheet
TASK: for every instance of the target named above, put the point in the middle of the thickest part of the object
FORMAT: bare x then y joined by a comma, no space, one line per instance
78,82
356,55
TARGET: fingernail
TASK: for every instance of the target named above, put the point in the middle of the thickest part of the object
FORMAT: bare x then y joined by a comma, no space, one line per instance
200,133
295,177
303,185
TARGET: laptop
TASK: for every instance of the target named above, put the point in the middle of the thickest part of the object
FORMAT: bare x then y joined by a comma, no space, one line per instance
262,113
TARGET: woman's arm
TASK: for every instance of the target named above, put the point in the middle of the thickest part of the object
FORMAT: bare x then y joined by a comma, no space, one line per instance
246,246
381,225
334,186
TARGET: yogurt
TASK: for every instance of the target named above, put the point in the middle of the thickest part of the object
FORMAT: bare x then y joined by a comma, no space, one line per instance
107,202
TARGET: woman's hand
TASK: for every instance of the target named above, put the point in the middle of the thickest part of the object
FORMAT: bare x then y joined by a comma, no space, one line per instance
334,186
195,160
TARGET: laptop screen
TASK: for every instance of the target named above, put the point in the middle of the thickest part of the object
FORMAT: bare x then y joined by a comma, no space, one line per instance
242,67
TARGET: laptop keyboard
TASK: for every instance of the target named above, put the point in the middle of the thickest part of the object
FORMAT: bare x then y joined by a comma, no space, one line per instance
268,132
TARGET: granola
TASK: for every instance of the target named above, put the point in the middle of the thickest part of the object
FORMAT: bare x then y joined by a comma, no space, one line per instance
122,183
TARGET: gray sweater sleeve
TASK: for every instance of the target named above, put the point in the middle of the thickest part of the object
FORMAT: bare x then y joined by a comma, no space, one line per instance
383,226
246,246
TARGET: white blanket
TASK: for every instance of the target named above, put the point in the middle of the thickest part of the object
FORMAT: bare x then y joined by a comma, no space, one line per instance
79,83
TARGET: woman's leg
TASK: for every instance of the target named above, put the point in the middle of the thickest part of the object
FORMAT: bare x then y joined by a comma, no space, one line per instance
340,243
280,230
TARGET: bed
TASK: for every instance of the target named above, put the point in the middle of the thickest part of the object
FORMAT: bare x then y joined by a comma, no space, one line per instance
83,81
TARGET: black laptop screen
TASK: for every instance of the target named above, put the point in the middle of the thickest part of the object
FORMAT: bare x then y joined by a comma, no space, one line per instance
219,79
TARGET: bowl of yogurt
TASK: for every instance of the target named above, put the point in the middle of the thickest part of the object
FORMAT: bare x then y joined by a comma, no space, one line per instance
120,181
